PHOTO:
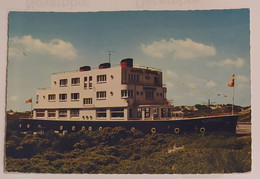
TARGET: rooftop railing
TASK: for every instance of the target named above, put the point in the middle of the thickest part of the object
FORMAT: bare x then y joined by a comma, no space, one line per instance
116,65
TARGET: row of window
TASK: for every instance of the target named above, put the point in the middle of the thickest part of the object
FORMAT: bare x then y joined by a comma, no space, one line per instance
75,97
63,97
101,113
76,81
61,113
129,94
135,77
100,95
114,113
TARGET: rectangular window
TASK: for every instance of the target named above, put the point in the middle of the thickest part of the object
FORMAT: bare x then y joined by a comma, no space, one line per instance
63,82
163,112
117,112
40,113
74,113
63,97
74,96
62,113
87,101
51,97
75,81
101,78
85,83
130,93
147,112
127,93
155,112
156,80
130,112
149,94
101,113
124,93
90,82
139,113
37,99
101,95
51,113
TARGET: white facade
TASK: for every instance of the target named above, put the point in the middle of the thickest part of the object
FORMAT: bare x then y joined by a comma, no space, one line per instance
117,93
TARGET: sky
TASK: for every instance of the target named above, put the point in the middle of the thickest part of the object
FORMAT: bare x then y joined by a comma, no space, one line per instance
198,51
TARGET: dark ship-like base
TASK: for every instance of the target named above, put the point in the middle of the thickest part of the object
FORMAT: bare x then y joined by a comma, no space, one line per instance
205,124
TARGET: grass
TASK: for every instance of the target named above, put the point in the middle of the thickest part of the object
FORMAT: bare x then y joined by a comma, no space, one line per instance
116,150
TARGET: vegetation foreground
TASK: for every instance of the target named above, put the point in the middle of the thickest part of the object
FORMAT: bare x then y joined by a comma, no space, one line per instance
116,150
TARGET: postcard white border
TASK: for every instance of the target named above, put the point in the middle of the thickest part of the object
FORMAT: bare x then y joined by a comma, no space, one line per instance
125,5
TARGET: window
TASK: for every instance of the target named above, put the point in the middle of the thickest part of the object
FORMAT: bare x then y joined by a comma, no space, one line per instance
133,77
127,93
149,94
169,114
156,80
74,113
155,112
90,82
51,113
147,77
63,97
101,95
130,112
74,96
63,82
37,99
139,113
51,97
163,112
85,83
62,113
101,78
101,113
75,81
117,112
130,93
40,113
147,112
87,101
124,93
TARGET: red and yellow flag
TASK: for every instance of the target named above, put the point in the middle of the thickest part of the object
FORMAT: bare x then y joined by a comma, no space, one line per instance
28,100
232,82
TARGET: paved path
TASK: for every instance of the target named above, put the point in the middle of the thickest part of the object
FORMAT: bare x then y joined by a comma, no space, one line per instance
243,128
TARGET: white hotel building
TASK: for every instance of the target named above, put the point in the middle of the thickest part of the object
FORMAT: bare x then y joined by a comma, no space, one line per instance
122,92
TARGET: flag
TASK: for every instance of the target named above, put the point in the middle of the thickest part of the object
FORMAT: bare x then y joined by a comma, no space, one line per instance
232,82
28,100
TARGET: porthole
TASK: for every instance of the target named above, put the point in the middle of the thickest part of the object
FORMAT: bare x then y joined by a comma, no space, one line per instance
177,130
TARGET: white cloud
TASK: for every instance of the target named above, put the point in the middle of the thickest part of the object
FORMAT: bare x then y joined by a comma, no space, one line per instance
13,98
26,45
171,75
242,79
169,84
242,82
211,84
178,49
239,62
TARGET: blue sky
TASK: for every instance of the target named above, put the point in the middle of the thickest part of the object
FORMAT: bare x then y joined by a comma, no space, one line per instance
198,51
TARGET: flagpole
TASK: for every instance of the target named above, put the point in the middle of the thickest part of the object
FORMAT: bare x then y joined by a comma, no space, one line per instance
31,110
233,96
